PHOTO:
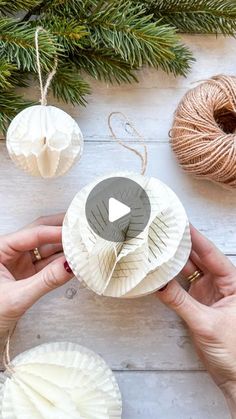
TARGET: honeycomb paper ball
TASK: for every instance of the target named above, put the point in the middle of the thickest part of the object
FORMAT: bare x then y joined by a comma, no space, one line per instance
44,141
60,380
132,267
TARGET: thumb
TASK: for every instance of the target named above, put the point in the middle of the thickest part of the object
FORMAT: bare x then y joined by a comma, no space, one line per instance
52,276
190,310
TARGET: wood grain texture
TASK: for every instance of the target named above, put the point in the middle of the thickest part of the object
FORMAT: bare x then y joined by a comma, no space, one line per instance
209,207
140,334
170,396
147,345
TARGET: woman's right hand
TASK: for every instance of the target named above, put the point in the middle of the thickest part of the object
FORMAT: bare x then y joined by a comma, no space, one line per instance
209,309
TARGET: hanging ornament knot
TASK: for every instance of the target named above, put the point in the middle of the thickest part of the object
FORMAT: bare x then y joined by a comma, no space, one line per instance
43,88
143,156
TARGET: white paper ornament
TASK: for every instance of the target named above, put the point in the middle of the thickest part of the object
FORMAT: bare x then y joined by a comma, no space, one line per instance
136,267
60,381
44,141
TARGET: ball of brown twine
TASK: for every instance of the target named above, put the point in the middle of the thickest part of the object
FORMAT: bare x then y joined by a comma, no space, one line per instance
203,135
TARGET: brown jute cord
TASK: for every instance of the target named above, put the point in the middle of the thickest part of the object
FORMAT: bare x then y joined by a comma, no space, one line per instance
43,88
203,135
6,353
143,157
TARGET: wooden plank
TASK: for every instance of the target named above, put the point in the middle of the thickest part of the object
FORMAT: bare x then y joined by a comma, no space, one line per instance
168,395
150,104
131,335
171,395
150,330
210,207
140,334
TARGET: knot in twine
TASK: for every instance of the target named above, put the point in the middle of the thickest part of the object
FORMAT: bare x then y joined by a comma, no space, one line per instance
143,156
203,135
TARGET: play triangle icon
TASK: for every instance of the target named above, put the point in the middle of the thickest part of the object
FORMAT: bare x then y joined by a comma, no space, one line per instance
117,209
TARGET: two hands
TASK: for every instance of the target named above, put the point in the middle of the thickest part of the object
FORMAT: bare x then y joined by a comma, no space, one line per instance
209,308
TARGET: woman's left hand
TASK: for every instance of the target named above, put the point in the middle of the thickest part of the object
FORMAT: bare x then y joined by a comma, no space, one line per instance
24,278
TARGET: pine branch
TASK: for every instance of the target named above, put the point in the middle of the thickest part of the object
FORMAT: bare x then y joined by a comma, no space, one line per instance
134,37
17,45
67,31
10,105
10,77
196,16
108,39
6,70
69,86
61,8
35,10
10,7
104,65
181,63
71,8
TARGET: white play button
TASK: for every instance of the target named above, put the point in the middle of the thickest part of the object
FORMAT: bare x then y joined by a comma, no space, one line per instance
117,209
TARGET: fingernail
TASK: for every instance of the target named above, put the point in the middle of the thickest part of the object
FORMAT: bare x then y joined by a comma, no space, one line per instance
163,288
67,267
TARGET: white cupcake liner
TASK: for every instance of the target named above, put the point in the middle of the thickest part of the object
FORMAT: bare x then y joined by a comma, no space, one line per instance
33,164
118,268
128,272
165,234
165,273
101,264
86,383
159,195
91,273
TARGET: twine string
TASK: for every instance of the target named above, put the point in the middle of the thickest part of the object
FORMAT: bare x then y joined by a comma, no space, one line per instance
143,156
43,88
203,132
6,353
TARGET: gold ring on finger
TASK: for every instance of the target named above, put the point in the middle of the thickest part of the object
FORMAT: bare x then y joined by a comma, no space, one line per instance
37,254
195,275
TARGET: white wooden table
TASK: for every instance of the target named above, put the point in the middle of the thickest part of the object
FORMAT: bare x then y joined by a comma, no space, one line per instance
147,346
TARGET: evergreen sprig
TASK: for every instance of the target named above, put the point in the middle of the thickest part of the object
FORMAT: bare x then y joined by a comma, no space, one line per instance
103,64
132,35
107,39
17,45
6,72
196,16
69,86
10,105
67,31
9,7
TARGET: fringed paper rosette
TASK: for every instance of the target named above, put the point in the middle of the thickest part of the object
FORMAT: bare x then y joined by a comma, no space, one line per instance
44,141
135,267
60,381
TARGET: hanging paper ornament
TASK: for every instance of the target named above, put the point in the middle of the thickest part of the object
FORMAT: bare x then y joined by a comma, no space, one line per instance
137,266
128,265
44,140
60,380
